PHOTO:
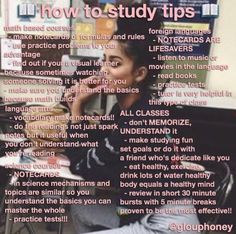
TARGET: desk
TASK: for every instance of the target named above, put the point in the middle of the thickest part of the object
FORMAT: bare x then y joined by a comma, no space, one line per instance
64,173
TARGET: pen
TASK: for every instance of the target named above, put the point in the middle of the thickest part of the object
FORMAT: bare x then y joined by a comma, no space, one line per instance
28,157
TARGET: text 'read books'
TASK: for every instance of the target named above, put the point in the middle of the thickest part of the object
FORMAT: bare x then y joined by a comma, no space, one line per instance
210,10
26,10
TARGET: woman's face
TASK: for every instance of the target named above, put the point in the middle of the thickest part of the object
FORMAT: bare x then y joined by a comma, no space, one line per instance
118,67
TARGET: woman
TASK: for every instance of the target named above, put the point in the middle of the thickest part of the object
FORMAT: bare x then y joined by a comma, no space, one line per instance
123,157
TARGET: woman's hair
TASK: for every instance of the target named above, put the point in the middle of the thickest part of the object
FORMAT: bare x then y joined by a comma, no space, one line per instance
138,49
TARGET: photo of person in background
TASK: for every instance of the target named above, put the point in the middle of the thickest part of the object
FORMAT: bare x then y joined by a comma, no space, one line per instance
126,66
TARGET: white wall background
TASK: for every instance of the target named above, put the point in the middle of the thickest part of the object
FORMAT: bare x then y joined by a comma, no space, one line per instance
225,28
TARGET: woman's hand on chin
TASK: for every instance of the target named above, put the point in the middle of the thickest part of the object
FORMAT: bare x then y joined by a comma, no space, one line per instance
79,94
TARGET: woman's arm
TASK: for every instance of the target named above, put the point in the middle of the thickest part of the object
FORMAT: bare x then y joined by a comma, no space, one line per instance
96,163
91,162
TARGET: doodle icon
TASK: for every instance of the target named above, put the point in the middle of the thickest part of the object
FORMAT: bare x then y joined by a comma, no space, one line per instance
210,10
26,10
